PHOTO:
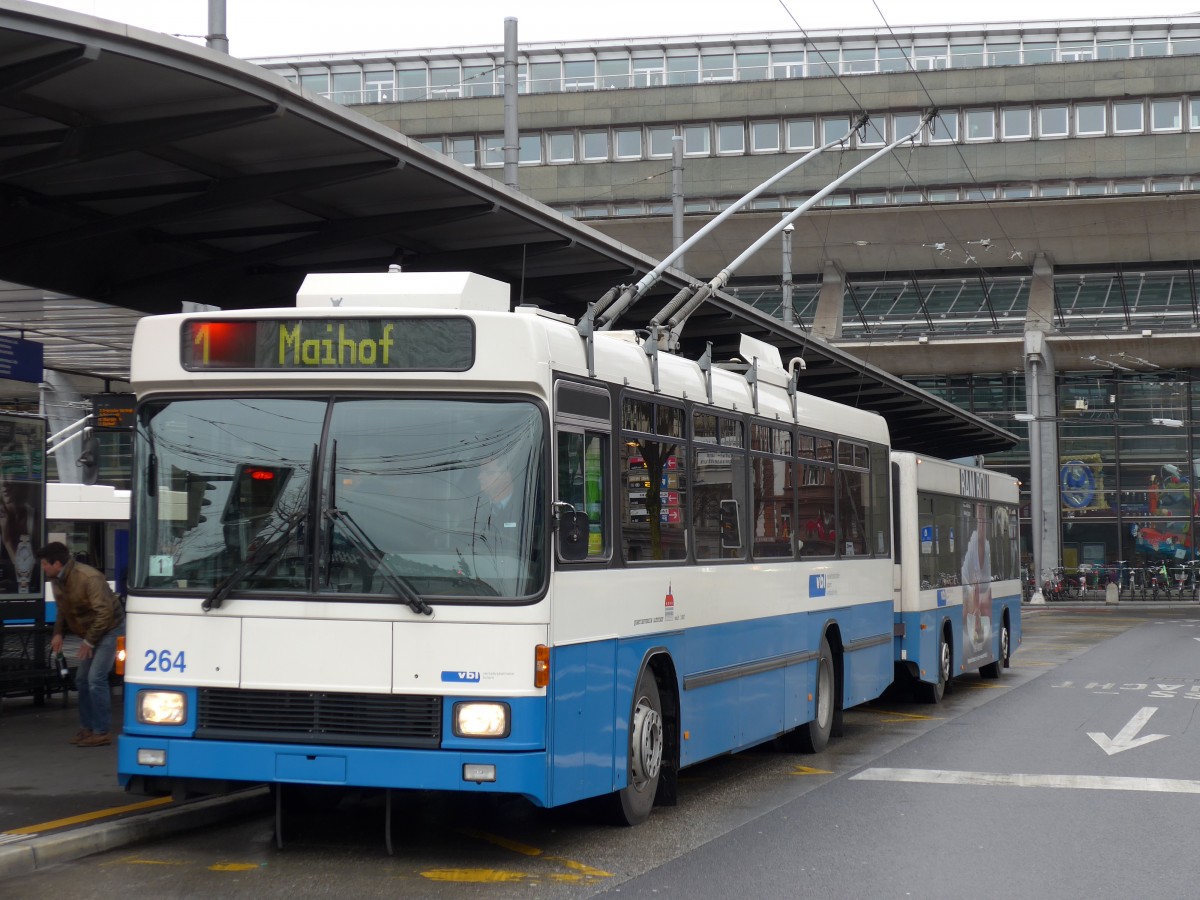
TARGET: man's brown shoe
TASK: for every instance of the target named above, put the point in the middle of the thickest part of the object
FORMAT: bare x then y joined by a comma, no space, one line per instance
81,734
99,739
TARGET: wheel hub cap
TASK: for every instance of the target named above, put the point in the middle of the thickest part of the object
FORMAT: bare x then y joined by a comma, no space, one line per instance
647,743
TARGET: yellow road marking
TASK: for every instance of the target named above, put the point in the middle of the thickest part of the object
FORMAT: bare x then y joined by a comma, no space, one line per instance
477,876
581,868
526,850
91,817
233,867
901,716
808,770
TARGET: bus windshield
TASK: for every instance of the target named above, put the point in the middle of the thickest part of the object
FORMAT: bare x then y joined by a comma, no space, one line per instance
442,495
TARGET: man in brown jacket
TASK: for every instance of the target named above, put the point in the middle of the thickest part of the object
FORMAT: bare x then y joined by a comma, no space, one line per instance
88,608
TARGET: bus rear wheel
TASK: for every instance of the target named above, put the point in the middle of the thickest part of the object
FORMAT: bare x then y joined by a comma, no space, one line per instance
992,669
632,804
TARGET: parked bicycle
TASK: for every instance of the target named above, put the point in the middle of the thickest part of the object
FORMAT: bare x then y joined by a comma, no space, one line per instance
1084,575
1185,578
1127,582
1138,582
1157,580
1028,583
1054,584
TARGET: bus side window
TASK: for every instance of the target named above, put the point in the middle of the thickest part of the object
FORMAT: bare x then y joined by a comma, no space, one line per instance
583,483
718,478
854,498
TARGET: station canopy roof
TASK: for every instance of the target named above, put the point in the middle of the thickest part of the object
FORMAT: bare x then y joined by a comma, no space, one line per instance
139,171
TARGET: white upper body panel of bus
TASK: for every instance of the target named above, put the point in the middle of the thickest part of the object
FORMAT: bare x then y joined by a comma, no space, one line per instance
944,477
86,502
520,350
918,473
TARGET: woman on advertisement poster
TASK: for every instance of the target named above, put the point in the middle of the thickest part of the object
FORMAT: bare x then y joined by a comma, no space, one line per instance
977,587
21,457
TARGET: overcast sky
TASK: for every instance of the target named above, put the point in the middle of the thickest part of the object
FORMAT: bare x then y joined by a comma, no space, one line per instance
289,27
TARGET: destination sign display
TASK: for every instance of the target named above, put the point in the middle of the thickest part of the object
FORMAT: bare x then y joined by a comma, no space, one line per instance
113,412
445,344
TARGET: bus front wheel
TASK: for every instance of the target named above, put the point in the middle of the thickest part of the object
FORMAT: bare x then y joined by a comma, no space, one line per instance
933,693
632,804
812,737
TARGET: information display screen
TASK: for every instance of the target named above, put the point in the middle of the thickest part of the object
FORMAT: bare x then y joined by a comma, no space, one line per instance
445,344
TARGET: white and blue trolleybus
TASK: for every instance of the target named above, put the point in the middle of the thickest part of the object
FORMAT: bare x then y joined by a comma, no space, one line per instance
401,536
958,587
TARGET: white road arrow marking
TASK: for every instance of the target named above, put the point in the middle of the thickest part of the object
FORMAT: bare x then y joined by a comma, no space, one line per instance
1127,738
996,779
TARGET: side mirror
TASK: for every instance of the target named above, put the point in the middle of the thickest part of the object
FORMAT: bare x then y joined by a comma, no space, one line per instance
573,530
731,526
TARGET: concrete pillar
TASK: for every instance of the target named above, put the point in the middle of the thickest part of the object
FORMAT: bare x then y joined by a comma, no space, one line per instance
511,135
1042,403
1039,316
677,199
827,322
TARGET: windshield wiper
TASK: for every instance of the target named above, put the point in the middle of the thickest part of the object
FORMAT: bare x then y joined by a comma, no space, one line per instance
256,558
368,548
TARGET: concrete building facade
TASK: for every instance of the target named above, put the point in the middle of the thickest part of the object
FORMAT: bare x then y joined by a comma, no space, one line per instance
1030,256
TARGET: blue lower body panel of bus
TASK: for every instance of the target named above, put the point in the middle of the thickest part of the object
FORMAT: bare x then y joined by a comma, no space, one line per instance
189,758
175,753
918,633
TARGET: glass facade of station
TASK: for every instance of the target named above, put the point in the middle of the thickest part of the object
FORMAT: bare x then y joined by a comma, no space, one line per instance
1129,460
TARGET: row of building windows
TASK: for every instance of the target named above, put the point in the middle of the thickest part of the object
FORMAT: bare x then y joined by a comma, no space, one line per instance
910,195
586,69
896,309
1093,118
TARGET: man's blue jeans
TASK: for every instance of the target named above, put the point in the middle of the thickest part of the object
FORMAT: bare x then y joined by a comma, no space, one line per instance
91,680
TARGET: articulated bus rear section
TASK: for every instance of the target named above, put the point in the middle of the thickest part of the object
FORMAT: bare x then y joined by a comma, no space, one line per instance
957,581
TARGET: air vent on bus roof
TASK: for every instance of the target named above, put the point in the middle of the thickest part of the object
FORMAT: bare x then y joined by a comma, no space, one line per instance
405,290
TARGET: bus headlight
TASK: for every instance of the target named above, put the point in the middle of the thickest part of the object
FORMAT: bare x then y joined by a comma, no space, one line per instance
479,719
161,708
